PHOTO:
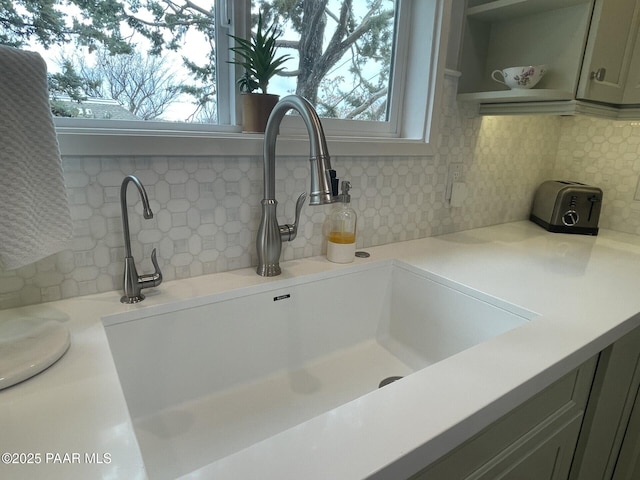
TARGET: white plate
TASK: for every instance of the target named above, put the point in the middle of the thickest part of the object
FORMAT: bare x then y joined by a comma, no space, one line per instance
28,346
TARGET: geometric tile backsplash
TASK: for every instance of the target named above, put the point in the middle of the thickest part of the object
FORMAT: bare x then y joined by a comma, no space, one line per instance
206,209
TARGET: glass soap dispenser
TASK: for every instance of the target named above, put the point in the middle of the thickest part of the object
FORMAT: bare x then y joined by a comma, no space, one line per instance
341,240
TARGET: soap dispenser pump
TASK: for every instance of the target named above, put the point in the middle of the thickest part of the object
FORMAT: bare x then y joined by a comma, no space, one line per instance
341,241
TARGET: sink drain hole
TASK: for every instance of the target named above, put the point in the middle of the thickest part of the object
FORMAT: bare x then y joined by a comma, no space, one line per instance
388,380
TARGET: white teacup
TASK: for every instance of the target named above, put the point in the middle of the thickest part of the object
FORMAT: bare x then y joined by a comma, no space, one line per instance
520,77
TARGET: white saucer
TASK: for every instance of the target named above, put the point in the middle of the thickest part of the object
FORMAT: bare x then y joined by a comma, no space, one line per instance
28,346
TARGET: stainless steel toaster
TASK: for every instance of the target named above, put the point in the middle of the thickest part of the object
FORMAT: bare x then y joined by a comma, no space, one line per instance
567,207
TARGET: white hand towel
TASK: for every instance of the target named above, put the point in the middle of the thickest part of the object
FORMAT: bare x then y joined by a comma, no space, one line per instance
34,211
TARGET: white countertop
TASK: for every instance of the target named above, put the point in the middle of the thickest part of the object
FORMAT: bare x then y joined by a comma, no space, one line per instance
71,421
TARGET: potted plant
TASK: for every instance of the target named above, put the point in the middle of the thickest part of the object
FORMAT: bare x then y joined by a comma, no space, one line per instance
258,57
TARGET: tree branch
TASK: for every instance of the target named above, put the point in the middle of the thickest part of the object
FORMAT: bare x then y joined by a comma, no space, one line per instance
366,24
197,8
370,101
289,73
177,10
339,43
341,29
294,44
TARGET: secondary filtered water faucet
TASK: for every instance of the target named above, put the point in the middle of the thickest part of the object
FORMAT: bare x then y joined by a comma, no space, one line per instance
324,184
134,283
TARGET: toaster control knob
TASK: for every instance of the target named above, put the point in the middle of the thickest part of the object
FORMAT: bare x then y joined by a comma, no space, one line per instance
570,218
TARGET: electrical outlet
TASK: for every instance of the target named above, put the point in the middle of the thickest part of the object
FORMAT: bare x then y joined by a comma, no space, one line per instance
454,176
455,172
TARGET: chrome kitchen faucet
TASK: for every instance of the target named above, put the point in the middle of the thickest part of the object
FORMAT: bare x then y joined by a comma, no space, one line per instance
324,184
134,283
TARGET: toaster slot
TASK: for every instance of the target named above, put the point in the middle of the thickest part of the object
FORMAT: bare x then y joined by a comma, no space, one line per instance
593,199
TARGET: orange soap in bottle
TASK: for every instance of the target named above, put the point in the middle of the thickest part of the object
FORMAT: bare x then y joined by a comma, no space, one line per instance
341,240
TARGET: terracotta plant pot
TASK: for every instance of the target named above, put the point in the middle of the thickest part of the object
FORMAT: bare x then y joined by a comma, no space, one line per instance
256,108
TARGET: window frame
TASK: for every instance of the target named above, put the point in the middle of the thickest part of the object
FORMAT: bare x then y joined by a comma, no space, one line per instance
410,132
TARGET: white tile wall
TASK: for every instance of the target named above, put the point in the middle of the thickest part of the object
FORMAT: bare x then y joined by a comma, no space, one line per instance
207,208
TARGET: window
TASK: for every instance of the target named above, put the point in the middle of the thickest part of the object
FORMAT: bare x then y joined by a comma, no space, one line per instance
347,72
362,87
348,68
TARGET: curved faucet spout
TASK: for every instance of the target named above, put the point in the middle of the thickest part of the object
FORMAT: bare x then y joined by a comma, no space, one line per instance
324,184
134,283
322,176
146,210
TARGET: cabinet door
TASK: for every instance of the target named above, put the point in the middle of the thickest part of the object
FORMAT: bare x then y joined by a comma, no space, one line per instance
632,88
628,465
536,441
549,458
609,50
614,391
544,454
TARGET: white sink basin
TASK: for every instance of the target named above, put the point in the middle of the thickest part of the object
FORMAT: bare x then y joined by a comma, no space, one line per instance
204,381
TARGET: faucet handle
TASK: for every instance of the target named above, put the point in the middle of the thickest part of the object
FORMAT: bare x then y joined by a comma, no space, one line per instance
334,182
152,279
156,267
289,231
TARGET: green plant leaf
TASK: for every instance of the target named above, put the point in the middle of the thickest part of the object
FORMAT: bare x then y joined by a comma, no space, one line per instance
257,56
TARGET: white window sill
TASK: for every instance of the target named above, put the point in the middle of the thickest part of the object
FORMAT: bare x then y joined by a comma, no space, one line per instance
92,142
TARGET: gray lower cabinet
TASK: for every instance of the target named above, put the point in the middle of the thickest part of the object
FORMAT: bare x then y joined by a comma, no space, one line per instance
609,445
628,464
536,441
585,426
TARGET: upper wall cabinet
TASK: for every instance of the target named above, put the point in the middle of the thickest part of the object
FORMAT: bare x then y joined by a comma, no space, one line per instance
609,54
588,46
631,95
